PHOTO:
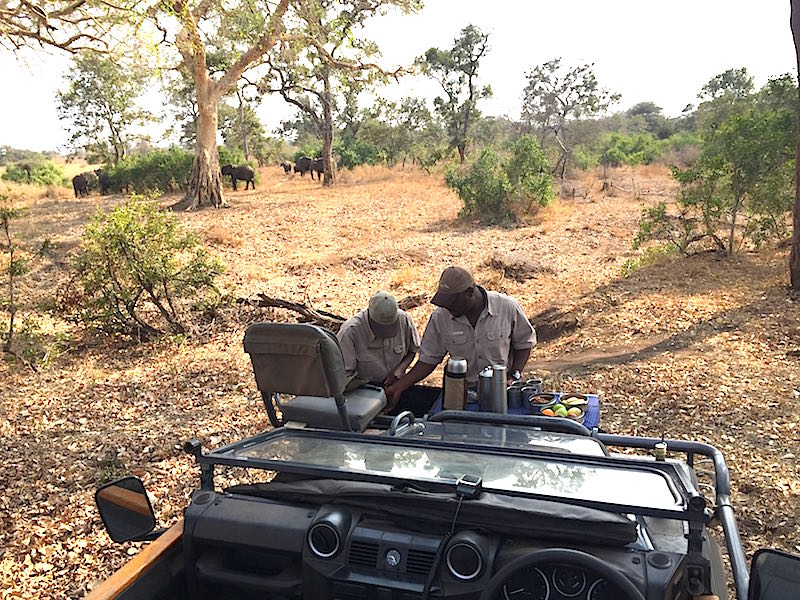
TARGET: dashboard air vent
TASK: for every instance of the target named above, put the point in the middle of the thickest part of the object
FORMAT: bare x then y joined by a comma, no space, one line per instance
363,553
419,562
323,540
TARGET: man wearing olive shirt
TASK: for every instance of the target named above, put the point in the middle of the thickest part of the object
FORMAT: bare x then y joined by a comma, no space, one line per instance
379,343
486,328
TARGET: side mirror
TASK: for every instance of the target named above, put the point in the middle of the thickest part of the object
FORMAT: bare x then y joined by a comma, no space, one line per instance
774,575
125,509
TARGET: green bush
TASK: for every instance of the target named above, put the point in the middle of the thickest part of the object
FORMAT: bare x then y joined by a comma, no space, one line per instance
35,172
484,188
136,270
630,149
353,152
651,256
529,174
154,171
312,149
494,191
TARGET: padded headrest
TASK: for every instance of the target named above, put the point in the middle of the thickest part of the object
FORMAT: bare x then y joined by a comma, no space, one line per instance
296,358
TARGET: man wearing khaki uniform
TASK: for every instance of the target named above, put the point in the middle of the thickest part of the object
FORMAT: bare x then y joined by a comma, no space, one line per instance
379,343
486,328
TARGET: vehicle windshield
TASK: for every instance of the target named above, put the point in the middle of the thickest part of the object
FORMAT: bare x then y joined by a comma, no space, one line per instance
552,476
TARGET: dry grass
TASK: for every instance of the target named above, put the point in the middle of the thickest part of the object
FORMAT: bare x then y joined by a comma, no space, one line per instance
696,348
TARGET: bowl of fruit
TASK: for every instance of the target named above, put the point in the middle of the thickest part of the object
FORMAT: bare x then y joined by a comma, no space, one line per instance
560,410
574,400
540,401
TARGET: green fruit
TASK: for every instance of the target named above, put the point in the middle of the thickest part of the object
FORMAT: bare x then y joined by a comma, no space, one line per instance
557,407
561,412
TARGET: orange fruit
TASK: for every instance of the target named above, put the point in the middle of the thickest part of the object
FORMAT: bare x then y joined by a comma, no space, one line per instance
548,412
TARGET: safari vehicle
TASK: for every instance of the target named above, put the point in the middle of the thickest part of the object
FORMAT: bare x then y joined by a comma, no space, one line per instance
458,505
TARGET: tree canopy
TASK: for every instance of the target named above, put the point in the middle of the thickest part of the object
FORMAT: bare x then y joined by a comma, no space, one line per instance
456,70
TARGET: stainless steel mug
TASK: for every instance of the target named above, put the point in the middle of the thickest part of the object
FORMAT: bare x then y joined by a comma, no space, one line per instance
485,390
536,384
499,389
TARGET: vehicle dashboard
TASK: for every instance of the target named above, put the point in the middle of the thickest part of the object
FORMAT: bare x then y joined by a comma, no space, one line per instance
293,549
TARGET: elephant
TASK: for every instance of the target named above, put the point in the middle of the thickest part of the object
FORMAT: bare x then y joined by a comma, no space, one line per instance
287,167
104,179
316,165
91,180
80,185
242,172
303,164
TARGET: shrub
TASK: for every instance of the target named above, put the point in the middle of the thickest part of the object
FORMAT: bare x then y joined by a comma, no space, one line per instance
157,170
631,149
312,149
353,152
135,270
494,191
651,256
529,173
484,188
35,172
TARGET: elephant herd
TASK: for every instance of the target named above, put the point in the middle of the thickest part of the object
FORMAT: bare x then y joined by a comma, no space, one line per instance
304,165
81,183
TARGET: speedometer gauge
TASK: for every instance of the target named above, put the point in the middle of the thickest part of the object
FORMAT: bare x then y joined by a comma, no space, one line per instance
569,581
598,590
528,584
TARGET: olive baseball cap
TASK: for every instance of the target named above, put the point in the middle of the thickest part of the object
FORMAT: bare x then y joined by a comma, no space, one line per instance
454,280
383,314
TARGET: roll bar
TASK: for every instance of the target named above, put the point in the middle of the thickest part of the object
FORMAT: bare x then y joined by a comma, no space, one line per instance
722,486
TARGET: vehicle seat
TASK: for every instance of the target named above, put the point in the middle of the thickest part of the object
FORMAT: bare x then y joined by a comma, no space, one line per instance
306,361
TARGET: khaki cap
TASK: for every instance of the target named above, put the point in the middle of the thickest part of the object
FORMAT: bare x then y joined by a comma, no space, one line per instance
383,314
454,280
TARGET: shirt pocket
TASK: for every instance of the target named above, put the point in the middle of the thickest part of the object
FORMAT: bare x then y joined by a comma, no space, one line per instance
495,334
457,339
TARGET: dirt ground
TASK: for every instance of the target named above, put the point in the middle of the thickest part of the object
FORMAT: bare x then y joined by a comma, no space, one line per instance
698,348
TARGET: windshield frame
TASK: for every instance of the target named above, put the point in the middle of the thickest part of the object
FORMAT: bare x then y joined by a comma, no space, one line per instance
224,456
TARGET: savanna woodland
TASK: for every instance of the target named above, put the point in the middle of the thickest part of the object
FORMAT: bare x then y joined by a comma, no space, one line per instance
658,256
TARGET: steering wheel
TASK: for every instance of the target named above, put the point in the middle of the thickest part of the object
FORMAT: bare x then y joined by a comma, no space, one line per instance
565,556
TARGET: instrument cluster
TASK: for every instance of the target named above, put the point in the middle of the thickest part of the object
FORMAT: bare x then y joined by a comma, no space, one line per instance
556,582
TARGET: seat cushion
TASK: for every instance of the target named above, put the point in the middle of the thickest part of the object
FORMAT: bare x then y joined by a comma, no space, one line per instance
362,404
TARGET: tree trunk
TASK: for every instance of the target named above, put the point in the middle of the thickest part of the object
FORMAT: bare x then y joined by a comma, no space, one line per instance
794,256
328,162
462,152
205,182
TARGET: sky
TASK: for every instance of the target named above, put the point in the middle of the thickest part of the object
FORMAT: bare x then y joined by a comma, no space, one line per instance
647,51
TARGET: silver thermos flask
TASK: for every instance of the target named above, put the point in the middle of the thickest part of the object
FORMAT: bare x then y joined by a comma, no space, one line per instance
499,389
455,384
485,390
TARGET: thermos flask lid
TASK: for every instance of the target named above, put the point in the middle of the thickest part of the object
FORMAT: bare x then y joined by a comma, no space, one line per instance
457,365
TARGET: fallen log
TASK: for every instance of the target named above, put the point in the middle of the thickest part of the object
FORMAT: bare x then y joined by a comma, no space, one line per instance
316,316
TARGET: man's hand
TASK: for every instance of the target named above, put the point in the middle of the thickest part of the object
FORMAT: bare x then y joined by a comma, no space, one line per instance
390,379
392,397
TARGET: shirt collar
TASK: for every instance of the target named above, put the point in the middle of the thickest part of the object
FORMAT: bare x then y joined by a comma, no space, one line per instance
365,319
491,302
490,308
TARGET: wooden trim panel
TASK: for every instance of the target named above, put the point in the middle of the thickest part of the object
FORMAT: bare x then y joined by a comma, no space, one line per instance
138,565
